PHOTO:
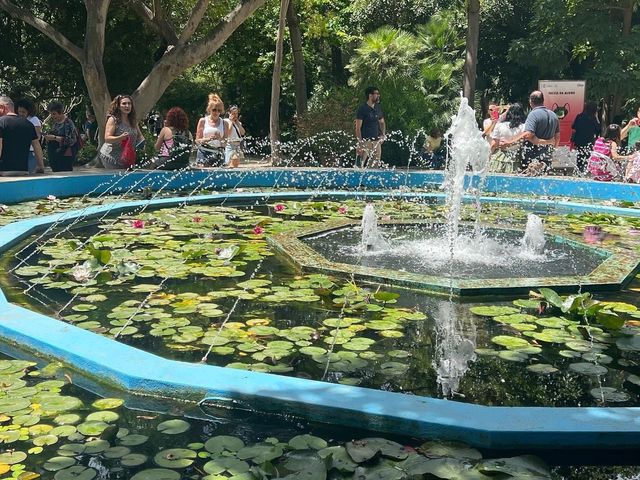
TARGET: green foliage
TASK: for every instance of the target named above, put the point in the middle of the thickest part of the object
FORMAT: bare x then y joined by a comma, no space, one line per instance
584,308
87,153
582,39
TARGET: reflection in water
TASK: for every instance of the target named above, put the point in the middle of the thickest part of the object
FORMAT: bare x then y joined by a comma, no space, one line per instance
455,348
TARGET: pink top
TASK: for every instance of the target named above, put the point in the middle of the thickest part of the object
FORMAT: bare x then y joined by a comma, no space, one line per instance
600,164
166,147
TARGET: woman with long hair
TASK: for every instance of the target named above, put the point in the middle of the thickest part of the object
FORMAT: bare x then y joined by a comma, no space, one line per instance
505,159
211,134
174,141
605,164
121,134
27,109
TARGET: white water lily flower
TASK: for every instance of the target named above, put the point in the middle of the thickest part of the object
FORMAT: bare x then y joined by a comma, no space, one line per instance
4,208
82,273
228,253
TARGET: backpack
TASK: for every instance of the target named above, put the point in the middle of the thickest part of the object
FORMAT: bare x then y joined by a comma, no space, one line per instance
179,152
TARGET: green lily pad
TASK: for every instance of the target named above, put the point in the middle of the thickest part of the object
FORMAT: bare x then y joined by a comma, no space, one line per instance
493,311
513,356
156,474
510,342
434,449
340,459
306,442
542,368
382,325
515,318
218,444
43,440
173,427
92,428
58,463
393,368
260,453
106,416
77,472
526,466
96,446
133,440
58,403
586,368
133,459
12,457
232,465
67,419
175,458
609,394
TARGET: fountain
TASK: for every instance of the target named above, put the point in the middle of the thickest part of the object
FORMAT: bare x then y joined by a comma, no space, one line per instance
372,240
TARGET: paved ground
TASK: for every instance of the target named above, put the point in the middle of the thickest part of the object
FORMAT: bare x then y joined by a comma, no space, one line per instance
252,164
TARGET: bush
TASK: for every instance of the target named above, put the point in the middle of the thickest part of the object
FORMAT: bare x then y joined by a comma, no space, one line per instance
86,154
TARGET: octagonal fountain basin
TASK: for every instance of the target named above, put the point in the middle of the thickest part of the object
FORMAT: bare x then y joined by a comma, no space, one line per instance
492,260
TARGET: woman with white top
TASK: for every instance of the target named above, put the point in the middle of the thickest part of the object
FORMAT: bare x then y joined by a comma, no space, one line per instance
211,134
505,159
233,151
27,109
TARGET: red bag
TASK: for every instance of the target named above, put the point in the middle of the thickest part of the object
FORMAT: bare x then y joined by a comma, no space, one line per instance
128,155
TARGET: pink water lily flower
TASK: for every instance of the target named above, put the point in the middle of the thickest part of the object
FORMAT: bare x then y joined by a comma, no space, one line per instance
137,223
342,210
280,207
197,219
258,230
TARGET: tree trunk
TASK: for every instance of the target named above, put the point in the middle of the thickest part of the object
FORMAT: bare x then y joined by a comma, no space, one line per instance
175,61
299,77
337,65
471,58
274,116
627,17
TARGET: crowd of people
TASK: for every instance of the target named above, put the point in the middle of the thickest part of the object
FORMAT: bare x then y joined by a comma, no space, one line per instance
219,141
519,142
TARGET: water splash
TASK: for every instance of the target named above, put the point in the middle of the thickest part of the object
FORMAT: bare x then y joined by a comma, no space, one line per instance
454,351
372,239
533,240
468,148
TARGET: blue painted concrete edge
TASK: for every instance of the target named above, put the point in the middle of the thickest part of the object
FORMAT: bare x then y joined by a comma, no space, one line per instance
114,183
488,427
144,373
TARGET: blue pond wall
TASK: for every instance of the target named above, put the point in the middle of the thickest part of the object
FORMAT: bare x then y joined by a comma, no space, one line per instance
144,373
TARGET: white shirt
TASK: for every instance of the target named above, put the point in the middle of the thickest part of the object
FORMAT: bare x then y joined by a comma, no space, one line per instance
502,131
35,121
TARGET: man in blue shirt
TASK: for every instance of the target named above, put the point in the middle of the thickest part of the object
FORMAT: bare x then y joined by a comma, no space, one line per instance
370,129
541,134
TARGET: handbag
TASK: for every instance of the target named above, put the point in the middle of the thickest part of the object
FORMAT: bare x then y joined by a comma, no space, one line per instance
128,155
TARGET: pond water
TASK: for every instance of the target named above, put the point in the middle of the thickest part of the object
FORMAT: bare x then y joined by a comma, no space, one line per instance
201,281
424,249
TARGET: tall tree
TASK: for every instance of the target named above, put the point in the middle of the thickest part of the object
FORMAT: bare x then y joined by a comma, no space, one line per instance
299,76
184,47
471,56
274,117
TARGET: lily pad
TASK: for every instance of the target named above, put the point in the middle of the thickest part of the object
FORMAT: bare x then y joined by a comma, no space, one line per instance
586,368
609,394
173,427
58,463
306,442
12,457
493,311
175,458
77,472
542,368
218,444
156,474
233,466
512,343
133,459
260,453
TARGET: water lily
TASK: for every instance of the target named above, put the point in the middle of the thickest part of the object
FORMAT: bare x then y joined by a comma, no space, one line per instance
81,273
51,198
258,230
342,210
197,219
137,223
4,208
280,207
